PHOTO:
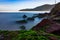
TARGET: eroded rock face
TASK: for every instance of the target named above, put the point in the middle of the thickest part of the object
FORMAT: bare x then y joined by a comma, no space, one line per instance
55,10
55,13
55,18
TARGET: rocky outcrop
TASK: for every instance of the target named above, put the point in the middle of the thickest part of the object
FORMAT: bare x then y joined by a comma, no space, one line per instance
55,13
55,10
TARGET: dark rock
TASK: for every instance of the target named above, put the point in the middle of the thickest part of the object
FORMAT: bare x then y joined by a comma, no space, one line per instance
41,15
22,21
1,37
23,27
30,18
55,10
24,16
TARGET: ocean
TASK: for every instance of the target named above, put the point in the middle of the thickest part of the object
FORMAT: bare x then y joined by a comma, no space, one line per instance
8,21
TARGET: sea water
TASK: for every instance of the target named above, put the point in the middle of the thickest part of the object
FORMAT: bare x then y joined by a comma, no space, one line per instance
8,20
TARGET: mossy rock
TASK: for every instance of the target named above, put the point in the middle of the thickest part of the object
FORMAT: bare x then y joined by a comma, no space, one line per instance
30,18
22,21
34,16
41,15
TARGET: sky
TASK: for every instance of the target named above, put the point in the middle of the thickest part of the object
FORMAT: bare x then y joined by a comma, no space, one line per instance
15,5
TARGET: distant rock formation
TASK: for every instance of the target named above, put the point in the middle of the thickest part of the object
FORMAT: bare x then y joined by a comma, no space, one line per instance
45,7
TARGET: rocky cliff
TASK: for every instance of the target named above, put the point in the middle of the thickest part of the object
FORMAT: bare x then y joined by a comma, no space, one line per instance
55,10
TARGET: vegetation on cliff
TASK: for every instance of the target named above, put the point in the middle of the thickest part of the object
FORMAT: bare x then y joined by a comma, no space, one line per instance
25,35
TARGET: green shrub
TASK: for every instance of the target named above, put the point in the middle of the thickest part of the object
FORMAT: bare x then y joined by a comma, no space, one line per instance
30,35
27,35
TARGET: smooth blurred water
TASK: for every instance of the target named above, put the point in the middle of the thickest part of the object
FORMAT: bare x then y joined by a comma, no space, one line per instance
8,21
